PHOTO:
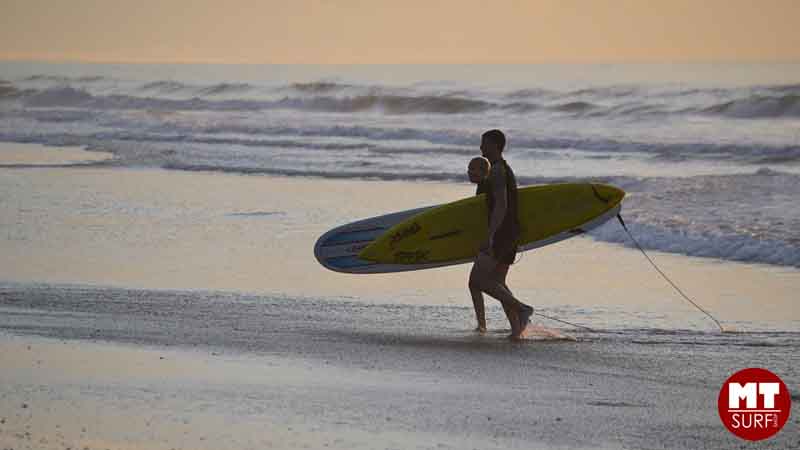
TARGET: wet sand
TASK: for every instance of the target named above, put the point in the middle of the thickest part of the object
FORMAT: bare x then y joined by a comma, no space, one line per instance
114,368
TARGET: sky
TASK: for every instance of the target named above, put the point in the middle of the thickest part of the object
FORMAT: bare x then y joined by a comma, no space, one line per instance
400,31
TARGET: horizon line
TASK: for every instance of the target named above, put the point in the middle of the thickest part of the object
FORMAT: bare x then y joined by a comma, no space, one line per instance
464,63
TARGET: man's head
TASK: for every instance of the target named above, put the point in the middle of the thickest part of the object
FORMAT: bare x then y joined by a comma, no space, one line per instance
478,169
492,144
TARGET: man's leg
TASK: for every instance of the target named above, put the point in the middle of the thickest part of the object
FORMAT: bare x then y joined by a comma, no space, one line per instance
484,278
478,304
527,311
500,273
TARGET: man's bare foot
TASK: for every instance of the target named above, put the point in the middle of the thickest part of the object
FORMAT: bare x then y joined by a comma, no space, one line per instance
481,329
525,314
517,337
520,333
513,321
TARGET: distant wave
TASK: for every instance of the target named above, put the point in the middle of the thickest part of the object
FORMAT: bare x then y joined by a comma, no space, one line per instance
226,88
766,102
164,86
391,104
607,91
575,107
755,102
64,96
785,89
759,106
7,91
522,107
530,93
64,79
171,87
672,91
319,87
634,109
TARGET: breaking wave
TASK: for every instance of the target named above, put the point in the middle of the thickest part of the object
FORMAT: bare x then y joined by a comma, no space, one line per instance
319,87
226,88
755,102
164,86
390,104
758,106
64,79
7,90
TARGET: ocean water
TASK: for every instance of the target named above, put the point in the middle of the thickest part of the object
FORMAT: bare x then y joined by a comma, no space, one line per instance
709,154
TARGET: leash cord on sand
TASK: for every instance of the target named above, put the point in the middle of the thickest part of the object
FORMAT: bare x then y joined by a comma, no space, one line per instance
549,317
563,321
622,222
520,254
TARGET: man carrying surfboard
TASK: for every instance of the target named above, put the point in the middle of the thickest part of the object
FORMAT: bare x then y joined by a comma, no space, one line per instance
478,173
499,251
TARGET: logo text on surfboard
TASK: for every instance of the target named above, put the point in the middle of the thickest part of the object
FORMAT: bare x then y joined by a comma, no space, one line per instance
403,233
411,257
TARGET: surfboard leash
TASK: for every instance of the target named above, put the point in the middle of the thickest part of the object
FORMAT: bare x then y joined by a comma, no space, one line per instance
677,289
563,321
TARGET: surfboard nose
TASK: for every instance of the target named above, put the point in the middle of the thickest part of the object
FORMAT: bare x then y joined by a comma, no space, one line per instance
610,195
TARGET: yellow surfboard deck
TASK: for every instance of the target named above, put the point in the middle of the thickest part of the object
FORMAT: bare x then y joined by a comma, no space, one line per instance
454,231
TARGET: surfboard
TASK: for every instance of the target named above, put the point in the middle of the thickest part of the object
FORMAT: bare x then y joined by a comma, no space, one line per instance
338,248
452,233
548,214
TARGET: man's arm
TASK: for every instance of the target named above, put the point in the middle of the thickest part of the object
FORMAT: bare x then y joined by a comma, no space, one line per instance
498,181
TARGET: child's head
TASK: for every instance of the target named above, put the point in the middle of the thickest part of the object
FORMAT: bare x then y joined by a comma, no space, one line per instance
478,169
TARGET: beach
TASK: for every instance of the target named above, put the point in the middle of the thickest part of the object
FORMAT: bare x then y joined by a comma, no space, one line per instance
147,309
260,373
